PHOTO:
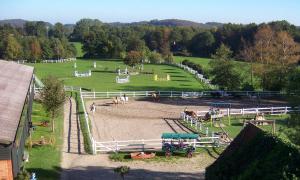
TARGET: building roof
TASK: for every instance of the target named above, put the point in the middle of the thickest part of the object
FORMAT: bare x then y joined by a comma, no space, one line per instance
14,83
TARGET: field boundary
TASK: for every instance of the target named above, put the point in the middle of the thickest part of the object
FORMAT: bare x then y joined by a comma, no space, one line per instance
181,94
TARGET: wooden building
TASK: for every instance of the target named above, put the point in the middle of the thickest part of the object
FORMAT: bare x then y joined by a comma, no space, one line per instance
16,96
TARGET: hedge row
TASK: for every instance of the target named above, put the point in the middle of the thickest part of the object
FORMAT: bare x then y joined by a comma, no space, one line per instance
194,66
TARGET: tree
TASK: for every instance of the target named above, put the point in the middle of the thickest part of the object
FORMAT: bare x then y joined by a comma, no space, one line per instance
133,58
47,51
223,70
82,28
53,97
223,53
122,170
275,54
41,29
155,58
202,43
12,48
58,49
58,31
35,49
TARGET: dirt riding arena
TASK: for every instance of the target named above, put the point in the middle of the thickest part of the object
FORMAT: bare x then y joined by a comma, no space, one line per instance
146,119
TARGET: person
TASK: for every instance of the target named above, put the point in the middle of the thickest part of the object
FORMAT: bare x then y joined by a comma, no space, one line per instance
93,107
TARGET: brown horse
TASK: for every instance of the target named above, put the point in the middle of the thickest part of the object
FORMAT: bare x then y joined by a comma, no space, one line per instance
155,96
191,113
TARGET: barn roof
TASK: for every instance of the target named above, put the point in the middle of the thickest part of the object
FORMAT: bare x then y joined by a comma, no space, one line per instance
14,83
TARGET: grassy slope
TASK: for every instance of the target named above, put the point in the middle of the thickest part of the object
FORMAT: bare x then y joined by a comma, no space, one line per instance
103,77
243,67
78,47
45,160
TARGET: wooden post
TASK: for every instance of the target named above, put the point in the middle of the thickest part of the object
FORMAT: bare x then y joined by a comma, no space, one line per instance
211,120
194,143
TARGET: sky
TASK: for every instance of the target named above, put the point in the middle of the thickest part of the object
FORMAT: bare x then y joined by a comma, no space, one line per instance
224,11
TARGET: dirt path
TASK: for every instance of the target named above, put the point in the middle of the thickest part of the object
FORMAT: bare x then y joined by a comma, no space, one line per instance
76,166
73,140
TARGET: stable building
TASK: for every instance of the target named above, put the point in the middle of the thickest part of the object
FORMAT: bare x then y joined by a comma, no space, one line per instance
16,97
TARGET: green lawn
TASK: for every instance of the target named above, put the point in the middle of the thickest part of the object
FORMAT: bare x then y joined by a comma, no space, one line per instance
237,124
103,77
45,160
243,67
78,47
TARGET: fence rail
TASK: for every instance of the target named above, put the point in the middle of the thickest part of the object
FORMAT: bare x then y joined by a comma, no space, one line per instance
149,144
246,111
93,95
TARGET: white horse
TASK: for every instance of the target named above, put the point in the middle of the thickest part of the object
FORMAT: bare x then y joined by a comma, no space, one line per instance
123,99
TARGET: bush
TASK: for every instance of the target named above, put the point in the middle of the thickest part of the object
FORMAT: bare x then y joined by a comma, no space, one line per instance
155,58
196,67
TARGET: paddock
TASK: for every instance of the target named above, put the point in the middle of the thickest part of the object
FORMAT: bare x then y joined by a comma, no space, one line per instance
144,119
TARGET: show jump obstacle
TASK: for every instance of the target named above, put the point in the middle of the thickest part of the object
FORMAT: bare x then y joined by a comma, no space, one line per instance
84,74
166,78
122,80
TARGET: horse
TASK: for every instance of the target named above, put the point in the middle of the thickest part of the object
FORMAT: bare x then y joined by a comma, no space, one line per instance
115,101
155,96
124,99
191,113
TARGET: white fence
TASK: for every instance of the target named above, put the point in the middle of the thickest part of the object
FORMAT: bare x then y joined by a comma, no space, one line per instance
194,72
246,111
122,80
84,74
58,60
150,144
181,94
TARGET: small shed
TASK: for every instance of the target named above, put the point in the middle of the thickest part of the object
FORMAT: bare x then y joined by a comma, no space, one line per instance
16,96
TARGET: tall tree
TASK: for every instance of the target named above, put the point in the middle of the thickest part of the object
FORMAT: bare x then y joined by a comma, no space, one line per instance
202,44
58,31
133,58
36,51
225,75
276,53
53,97
12,48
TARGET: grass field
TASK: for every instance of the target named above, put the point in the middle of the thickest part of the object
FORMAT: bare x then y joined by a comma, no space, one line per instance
45,160
237,124
103,77
78,47
243,67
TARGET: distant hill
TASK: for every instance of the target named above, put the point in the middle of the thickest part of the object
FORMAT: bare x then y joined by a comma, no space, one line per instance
165,22
19,22
171,23
13,22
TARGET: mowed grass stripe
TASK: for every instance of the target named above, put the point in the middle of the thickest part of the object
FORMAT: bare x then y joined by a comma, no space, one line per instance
103,77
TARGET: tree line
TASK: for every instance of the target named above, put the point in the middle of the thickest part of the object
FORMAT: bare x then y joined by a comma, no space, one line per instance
104,40
34,42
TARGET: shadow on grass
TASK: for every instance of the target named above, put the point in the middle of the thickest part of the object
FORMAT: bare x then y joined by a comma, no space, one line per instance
103,71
